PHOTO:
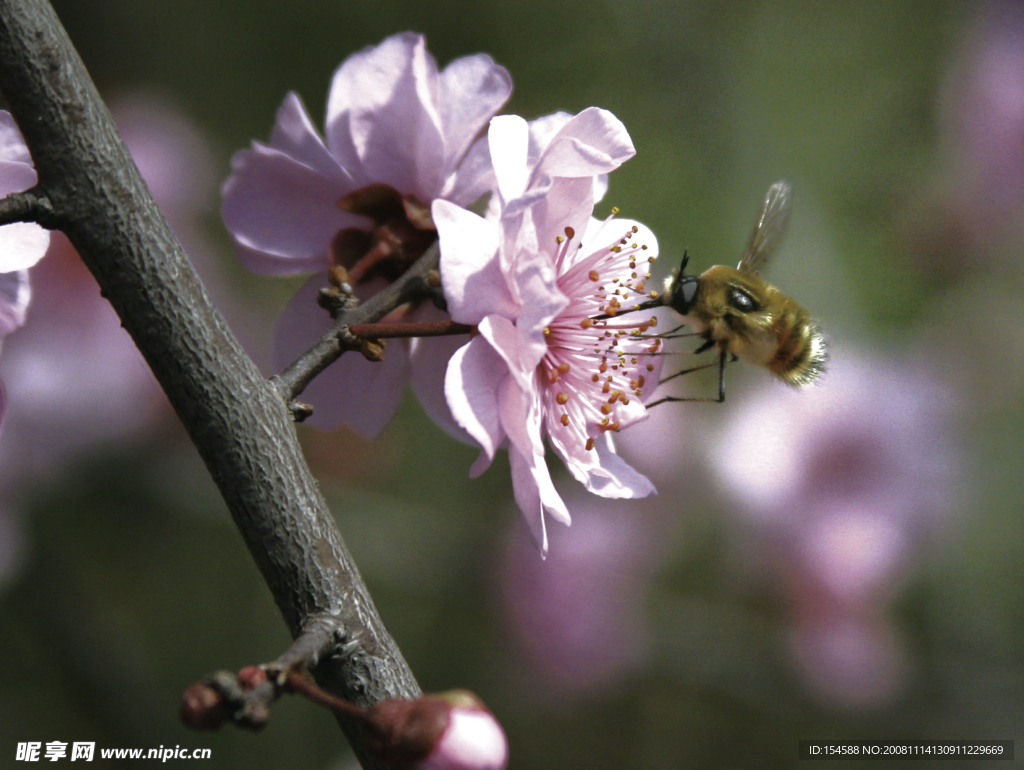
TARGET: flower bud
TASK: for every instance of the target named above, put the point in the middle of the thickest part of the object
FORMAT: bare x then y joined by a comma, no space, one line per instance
451,731
251,677
203,708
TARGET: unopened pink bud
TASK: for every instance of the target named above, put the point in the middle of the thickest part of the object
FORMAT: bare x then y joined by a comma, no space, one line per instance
251,677
473,740
447,731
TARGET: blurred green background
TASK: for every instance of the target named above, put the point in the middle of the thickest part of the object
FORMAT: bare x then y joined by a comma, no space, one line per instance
134,582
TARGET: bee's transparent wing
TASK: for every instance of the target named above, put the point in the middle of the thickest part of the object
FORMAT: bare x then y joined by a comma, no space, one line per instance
769,228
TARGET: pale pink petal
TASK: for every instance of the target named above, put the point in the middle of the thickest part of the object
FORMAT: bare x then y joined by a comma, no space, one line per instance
593,142
383,104
527,495
16,177
352,390
472,89
74,376
474,177
535,494
508,139
541,302
12,143
520,417
614,477
502,335
568,203
295,136
542,131
482,463
471,389
474,285
600,469
14,298
281,213
22,245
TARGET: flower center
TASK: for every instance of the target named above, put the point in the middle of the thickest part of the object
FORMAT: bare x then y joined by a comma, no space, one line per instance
597,364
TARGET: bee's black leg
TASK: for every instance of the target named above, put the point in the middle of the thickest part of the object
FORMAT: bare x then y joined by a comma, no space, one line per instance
686,371
721,376
723,358
708,344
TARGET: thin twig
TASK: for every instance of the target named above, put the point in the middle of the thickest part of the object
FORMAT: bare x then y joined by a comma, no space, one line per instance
298,683
29,206
426,329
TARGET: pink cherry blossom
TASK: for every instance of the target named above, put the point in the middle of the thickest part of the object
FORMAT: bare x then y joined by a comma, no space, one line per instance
74,378
532,283
392,119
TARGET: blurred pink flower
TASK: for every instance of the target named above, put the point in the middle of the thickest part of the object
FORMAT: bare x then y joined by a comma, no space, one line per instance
540,365
22,244
392,119
981,131
578,619
845,480
74,378
853,658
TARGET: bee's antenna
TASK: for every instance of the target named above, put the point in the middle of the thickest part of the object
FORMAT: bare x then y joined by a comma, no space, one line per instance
686,259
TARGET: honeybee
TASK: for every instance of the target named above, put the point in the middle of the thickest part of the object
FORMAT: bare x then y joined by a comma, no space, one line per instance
742,315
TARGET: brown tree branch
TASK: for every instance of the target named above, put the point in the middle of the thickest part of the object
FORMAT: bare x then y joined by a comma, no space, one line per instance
238,421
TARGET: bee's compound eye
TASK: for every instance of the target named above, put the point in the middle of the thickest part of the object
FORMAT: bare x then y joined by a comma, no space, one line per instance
742,301
684,294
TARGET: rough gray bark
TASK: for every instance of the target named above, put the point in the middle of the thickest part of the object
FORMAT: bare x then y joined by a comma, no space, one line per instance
239,422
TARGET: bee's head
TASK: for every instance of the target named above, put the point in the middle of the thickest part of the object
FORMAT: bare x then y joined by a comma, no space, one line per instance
682,288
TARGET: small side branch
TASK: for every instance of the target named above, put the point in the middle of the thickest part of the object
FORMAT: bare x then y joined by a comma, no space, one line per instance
29,206
419,282
398,732
245,698
319,636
